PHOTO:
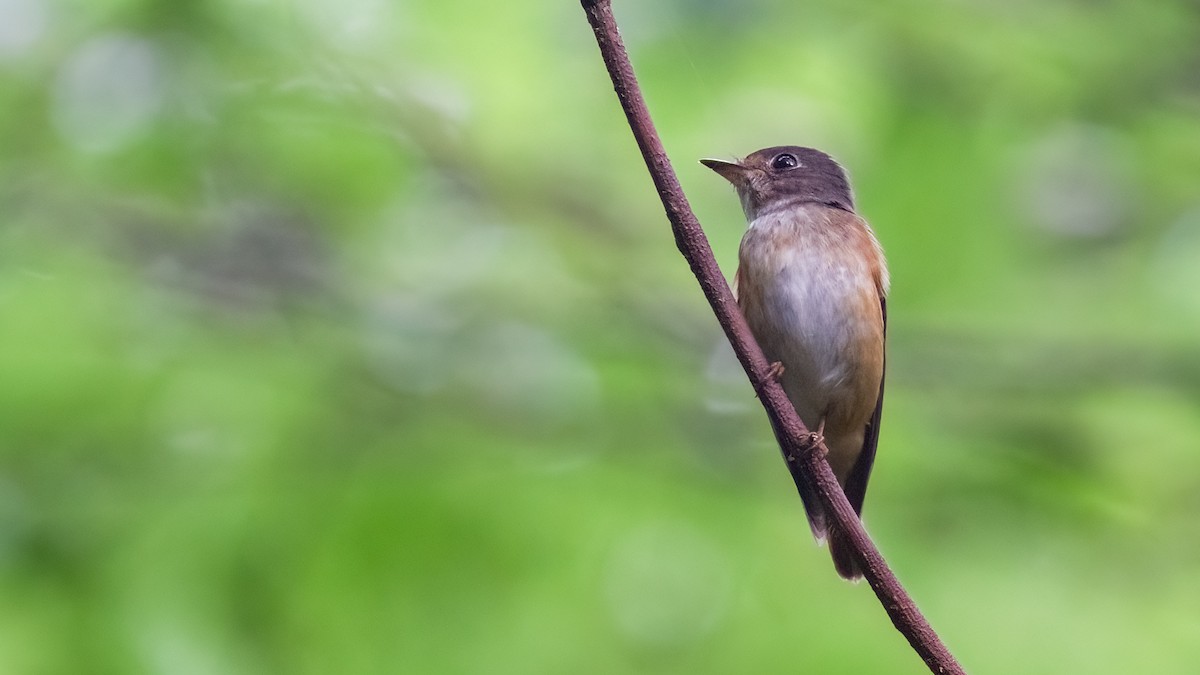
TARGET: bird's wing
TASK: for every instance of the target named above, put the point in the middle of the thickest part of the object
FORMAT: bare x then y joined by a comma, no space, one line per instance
856,482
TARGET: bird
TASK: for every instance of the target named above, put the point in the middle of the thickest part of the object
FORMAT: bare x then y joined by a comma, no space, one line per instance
812,284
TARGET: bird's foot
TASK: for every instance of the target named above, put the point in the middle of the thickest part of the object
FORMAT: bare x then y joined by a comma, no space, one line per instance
816,439
775,372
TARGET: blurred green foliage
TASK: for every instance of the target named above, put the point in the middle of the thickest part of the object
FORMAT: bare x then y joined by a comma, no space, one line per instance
349,337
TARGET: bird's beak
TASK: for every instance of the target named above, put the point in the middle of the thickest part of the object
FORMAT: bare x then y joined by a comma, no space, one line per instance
731,171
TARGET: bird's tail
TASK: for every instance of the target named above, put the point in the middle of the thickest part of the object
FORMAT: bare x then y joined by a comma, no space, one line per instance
843,556
824,531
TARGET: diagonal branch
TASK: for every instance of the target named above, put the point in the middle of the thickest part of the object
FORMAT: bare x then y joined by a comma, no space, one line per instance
805,459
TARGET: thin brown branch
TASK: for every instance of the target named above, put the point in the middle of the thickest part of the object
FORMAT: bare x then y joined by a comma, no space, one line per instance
805,459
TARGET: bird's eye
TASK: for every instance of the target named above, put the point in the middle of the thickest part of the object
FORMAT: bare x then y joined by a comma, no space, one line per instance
784,161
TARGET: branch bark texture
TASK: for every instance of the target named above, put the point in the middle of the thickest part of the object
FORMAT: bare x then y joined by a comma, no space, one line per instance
804,456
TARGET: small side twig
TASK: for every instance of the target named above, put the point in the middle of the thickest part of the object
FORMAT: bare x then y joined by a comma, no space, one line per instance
806,459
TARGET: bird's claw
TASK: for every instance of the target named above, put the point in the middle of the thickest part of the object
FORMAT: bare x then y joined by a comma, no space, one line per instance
775,372
816,441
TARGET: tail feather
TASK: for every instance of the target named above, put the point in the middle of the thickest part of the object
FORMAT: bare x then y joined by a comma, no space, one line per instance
839,545
843,556
816,515
823,530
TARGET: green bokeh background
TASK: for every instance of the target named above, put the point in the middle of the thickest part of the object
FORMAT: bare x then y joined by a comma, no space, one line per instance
349,337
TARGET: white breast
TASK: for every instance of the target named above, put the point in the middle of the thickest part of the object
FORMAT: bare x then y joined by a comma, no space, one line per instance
811,286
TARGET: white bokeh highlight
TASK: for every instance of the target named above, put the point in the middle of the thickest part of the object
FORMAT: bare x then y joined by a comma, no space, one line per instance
108,92
22,25
1073,182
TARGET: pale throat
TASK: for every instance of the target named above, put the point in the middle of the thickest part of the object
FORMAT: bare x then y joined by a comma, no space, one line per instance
755,209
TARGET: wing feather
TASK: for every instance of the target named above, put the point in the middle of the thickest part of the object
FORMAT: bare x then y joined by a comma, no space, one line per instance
856,482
